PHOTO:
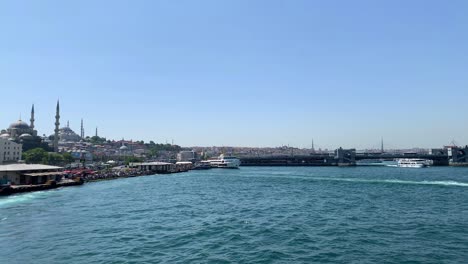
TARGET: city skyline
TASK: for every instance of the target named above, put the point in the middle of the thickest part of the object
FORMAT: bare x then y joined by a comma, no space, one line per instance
240,73
93,130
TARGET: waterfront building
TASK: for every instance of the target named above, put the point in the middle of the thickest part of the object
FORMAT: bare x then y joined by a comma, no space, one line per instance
186,155
184,166
27,174
10,151
157,167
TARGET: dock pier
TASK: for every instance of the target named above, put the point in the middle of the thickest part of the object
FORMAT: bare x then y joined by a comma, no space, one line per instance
13,189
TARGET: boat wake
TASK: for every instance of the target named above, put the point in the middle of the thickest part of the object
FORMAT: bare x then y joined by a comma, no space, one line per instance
362,180
395,181
20,198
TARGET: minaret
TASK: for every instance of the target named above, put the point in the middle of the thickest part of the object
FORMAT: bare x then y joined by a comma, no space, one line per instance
313,149
68,123
96,132
57,124
32,118
82,129
381,146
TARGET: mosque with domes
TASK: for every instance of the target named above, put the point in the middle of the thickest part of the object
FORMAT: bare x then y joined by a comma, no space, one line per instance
66,134
20,130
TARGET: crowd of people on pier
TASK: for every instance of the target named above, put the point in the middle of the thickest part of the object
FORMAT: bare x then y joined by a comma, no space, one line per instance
107,175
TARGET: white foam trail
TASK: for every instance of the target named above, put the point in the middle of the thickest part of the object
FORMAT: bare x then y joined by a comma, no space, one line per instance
395,181
20,198
446,183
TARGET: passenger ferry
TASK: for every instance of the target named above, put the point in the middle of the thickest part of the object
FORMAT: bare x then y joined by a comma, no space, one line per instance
226,162
413,163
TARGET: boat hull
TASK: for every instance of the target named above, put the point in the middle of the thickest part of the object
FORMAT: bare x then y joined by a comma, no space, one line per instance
412,166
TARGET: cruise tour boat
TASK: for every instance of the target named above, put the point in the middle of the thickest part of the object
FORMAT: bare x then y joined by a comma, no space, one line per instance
226,162
413,163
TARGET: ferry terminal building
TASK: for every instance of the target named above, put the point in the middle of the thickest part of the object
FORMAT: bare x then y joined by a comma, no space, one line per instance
27,174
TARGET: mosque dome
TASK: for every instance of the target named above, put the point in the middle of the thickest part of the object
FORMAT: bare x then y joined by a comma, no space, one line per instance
66,130
19,125
67,134
123,147
25,136
6,135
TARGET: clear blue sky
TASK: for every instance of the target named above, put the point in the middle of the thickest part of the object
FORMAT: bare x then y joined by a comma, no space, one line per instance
241,72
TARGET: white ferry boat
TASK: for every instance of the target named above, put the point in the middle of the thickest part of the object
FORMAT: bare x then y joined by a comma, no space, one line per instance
227,162
413,163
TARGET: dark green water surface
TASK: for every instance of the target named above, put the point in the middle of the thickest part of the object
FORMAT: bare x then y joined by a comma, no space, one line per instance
250,215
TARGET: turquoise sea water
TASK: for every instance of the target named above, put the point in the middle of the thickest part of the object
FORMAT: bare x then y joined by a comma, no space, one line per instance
250,215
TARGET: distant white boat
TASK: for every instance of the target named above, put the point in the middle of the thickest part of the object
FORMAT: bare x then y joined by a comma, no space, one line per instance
226,162
413,163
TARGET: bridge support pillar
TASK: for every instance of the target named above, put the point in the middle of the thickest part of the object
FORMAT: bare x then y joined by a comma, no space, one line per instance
458,156
345,157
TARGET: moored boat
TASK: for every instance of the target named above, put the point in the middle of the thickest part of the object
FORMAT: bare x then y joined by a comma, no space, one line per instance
225,162
202,165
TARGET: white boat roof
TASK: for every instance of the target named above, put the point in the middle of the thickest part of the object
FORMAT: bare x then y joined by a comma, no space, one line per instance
27,167
153,163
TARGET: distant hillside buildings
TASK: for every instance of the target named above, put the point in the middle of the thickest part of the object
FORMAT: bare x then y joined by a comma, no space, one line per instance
186,155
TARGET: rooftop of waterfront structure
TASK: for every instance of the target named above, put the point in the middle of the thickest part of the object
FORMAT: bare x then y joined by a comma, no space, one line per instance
27,167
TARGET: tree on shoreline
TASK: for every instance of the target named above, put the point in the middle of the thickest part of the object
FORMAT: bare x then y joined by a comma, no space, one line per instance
96,140
39,155
129,160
